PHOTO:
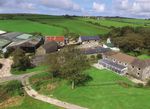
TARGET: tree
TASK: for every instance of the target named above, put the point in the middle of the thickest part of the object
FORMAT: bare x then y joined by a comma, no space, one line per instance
20,60
70,64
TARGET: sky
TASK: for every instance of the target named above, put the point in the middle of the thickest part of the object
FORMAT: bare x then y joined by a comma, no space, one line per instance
123,8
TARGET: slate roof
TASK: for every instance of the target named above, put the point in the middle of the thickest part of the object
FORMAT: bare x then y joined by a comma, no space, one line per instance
88,38
50,47
113,64
95,50
141,63
120,57
10,36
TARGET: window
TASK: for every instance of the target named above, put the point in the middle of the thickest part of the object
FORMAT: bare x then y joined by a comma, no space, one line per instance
132,66
125,63
139,68
138,74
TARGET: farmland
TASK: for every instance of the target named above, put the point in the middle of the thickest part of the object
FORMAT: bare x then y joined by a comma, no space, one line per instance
29,27
104,91
118,22
61,25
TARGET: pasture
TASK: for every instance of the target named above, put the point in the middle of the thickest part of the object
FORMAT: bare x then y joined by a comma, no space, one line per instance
29,27
75,26
106,90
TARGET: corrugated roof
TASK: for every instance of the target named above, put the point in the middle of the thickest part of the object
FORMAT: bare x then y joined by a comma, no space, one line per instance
10,36
4,42
55,38
87,38
24,36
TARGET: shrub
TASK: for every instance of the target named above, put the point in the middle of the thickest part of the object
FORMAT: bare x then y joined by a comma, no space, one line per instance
148,83
99,56
139,85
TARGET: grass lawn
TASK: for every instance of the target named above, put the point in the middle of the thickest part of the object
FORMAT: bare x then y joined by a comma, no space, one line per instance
35,69
103,92
76,26
30,103
29,27
144,57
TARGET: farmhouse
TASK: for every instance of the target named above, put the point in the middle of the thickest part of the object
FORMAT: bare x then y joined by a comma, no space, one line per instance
125,64
88,39
59,39
116,61
140,69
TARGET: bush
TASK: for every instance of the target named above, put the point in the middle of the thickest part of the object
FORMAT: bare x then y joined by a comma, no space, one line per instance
148,83
1,65
139,85
99,56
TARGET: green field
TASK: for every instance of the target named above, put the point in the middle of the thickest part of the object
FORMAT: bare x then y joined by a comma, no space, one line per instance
141,22
111,23
29,27
75,26
104,92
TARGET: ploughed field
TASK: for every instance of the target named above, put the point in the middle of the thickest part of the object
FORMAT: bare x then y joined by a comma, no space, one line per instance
107,90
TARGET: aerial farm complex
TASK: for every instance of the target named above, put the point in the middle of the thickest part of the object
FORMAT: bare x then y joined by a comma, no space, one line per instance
112,58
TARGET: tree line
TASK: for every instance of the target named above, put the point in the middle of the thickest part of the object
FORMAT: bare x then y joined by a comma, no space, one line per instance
130,39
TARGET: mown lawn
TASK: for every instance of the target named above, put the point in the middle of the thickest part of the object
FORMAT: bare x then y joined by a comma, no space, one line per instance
76,26
104,92
30,70
30,103
29,27
144,57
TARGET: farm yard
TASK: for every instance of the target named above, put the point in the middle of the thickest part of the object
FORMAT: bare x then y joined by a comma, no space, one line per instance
106,90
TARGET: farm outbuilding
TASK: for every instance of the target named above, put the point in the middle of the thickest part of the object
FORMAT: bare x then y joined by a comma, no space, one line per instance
48,47
59,39
85,39
4,43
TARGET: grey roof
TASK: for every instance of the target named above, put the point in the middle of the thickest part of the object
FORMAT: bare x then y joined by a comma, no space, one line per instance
95,50
141,63
50,46
112,64
10,36
4,43
88,38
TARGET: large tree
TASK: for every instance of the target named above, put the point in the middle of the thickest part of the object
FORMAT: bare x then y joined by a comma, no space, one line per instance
70,64
20,60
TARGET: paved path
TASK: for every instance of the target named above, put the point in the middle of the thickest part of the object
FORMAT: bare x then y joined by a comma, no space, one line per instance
16,77
31,92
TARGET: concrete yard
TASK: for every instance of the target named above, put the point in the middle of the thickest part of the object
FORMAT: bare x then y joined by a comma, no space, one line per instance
5,71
